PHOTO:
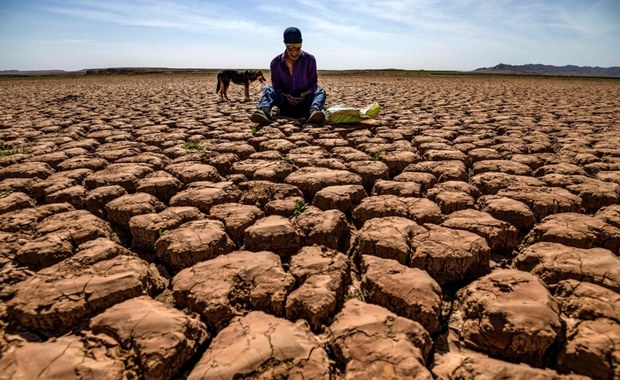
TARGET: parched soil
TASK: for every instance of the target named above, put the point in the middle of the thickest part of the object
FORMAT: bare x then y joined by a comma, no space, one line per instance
470,231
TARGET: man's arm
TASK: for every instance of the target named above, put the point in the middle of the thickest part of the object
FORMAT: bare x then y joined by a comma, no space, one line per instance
312,76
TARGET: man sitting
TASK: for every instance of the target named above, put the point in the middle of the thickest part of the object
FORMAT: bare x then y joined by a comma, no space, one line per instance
294,90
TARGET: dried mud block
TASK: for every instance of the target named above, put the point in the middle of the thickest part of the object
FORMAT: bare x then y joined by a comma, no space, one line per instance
610,214
193,242
83,162
124,175
420,210
409,292
372,342
426,180
156,161
280,145
576,230
273,233
468,365
501,166
450,255
444,155
609,176
73,195
23,185
223,162
452,201
147,228
263,346
508,210
259,193
323,275
59,358
544,201
97,199
91,252
161,187
26,219
453,186
343,198
507,314
27,170
188,172
55,299
492,182
554,262
560,168
236,218
387,238
266,170
348,154
312,179
230,284
284,207
443,170
587,301
591,349
307,155
162,337
482,154
593,331
593,193
242,150
15,201
370,171
121,210
205,195
534,161
397,188
397,161
329,228
500,236
57,237
54,183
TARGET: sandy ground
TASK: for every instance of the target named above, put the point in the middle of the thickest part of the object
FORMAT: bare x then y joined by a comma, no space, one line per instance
471,231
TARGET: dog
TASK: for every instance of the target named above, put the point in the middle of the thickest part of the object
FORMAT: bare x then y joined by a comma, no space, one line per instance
246,77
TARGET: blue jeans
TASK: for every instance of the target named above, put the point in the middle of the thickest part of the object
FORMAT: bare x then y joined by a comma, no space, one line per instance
272,97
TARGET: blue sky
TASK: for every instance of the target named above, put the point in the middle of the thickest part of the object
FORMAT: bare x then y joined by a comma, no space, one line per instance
342,34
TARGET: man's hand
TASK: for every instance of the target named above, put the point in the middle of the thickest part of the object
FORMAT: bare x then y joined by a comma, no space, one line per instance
295,101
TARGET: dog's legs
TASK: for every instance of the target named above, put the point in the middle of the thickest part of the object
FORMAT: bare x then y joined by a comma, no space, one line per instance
226,84
221,86
247,92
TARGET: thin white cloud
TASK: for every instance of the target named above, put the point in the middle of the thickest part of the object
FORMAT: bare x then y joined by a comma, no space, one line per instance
171,15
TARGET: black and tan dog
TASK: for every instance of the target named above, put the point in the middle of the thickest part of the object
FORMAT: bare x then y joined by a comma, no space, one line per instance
246,77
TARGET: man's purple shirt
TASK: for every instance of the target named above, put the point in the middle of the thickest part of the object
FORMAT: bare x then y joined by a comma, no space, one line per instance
304,76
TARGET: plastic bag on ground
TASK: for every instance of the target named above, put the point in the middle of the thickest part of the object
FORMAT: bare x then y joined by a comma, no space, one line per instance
344,113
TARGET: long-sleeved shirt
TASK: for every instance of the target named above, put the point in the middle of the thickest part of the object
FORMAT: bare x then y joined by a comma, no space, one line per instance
304,76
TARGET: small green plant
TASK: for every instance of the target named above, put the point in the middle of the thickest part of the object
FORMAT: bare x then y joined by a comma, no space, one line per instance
253,129
6,153
4,146
5,192
376,156
193,145
288,160
300,207
161,232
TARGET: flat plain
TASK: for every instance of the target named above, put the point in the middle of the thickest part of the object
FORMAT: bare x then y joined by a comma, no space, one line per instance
471,230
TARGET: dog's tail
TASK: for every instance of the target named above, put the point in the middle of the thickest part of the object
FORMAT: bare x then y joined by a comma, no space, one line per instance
217,89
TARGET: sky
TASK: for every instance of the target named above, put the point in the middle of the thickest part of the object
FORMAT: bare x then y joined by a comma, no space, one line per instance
342,34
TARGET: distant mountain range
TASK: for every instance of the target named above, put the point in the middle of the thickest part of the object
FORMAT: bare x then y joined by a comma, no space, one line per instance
537,69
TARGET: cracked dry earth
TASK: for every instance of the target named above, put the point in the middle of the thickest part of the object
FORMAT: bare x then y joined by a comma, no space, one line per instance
471,231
